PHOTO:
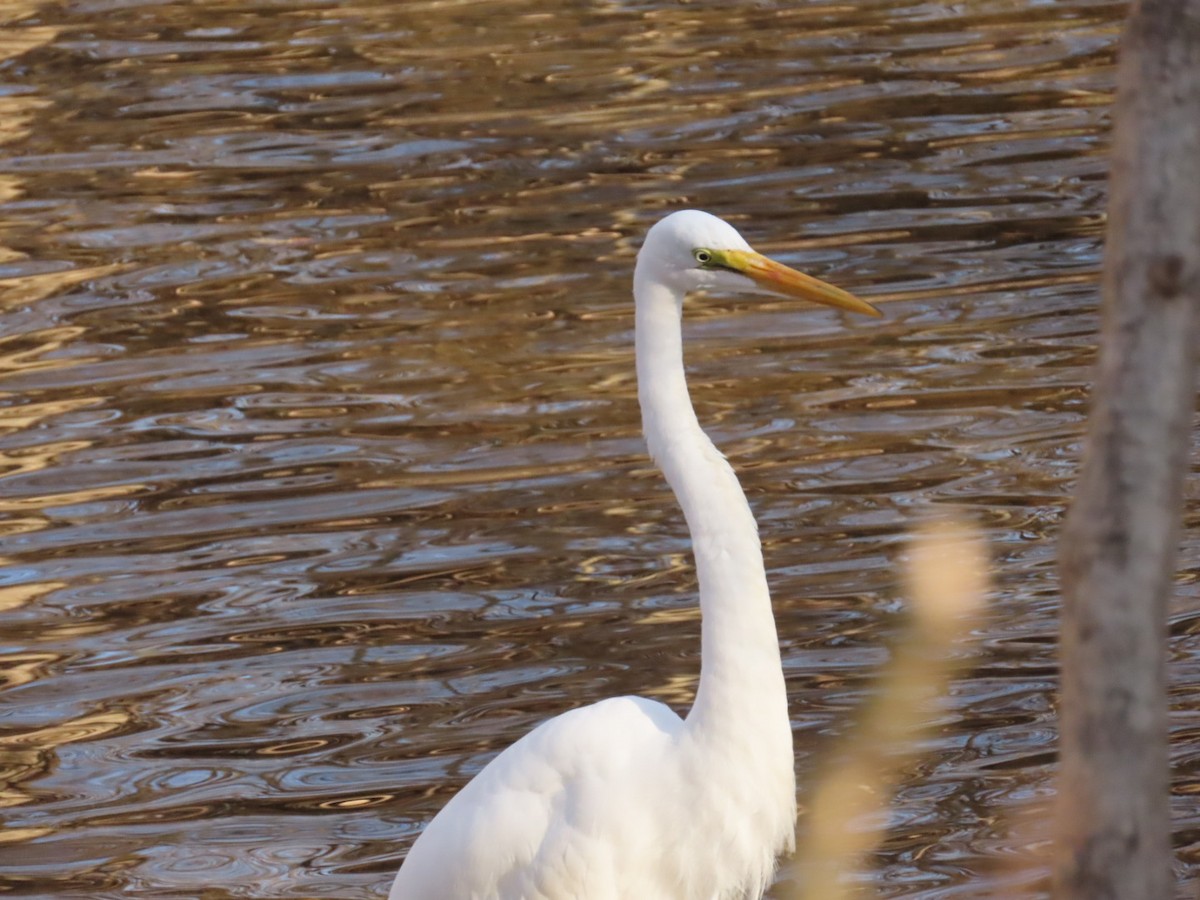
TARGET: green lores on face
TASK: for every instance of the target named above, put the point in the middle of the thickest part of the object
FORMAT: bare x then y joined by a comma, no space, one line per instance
777,278
709,259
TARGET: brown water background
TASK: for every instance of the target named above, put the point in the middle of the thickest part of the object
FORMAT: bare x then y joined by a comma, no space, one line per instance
322,478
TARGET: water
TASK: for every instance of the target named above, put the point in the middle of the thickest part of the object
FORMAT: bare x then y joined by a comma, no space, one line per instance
322,474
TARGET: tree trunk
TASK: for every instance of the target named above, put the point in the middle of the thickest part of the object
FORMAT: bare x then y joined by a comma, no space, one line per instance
1119,545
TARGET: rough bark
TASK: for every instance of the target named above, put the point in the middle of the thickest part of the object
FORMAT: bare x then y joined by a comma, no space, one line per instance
1119,546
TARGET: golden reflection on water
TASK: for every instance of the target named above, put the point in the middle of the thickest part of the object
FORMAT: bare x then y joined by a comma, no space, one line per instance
321,467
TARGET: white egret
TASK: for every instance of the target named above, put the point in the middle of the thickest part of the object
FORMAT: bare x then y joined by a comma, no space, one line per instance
623,799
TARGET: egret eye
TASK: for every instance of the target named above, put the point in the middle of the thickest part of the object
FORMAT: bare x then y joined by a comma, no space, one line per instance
704,257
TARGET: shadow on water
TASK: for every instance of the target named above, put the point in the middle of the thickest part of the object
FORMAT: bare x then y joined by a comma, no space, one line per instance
322,474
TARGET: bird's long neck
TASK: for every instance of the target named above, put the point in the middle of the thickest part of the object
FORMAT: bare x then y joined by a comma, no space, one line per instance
741,693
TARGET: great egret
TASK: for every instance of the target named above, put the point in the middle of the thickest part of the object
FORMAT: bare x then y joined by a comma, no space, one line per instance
624,800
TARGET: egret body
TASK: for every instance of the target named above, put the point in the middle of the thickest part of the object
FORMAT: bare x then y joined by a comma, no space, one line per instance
623,799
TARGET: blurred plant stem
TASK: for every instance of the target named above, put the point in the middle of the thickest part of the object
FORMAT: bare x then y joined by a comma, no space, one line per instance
846,812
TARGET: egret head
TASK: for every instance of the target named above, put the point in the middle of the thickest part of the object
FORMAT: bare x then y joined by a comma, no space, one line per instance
691,250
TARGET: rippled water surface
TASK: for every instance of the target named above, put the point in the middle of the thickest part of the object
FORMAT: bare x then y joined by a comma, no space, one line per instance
322,472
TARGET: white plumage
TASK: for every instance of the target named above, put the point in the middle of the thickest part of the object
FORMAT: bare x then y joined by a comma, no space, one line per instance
623,800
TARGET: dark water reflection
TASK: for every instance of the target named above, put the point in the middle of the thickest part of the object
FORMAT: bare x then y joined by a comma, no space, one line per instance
322,472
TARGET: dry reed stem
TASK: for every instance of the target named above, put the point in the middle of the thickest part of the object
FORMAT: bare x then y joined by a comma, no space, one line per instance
846,815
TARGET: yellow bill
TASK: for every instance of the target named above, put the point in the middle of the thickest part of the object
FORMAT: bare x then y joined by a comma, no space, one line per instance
780,279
